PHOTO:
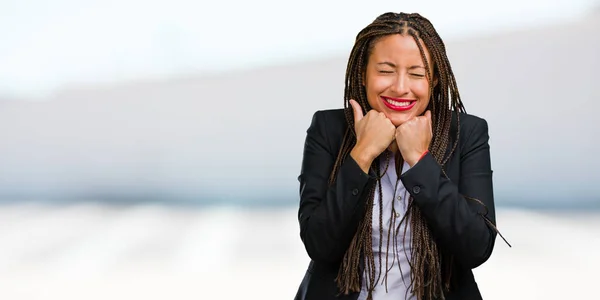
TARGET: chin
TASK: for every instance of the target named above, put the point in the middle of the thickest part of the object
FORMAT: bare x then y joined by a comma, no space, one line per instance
398,120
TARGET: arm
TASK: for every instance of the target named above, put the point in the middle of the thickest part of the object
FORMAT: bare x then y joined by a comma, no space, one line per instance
329,214
458,222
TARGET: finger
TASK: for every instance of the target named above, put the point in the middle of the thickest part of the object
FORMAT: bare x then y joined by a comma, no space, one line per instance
393,129
414,117
358,113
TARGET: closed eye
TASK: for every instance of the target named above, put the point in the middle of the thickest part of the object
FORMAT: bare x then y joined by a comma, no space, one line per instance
417,75
386,72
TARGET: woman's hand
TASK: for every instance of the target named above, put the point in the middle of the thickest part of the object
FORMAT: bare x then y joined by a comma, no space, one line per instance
413,138
374,133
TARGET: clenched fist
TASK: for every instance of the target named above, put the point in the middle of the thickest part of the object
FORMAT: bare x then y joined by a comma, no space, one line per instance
413,137
374,133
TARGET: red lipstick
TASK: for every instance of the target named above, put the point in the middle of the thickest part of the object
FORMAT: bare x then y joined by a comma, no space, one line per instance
396,107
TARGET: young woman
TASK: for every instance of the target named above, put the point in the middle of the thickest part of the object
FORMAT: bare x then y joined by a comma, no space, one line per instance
396,197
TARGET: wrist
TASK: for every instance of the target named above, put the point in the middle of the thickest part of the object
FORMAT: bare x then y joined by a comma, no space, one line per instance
362,157
423,155
414,158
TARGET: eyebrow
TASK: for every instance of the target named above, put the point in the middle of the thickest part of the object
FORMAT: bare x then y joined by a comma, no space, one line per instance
387,63
416,67
394,65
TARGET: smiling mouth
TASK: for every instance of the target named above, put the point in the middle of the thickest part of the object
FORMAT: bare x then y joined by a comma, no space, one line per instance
398,104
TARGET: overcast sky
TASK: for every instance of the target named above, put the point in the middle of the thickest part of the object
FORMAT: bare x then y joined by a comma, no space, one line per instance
48,44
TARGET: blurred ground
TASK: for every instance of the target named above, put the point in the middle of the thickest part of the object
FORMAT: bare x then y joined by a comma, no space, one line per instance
92,251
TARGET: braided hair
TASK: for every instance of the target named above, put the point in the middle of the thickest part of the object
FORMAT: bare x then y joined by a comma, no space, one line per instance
428,280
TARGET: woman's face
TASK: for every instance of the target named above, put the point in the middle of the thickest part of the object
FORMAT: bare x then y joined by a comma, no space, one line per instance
396,80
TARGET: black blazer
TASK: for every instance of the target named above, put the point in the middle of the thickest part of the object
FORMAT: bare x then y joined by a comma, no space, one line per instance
329,215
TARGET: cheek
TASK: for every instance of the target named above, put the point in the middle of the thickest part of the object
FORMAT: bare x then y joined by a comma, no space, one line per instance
422,91
374,88
376,85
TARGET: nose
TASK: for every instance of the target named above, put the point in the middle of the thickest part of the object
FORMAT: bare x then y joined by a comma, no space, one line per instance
400,85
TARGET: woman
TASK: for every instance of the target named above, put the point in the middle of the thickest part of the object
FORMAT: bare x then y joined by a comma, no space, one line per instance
396,196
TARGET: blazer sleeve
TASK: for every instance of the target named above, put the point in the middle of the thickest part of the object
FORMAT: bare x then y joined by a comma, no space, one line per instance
455,219
329,214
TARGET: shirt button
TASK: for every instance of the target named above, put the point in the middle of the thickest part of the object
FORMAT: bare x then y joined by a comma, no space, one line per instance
355,192
397,215
399,197
416,189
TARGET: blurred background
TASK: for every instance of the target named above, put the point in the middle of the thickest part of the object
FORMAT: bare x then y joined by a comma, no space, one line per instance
150,149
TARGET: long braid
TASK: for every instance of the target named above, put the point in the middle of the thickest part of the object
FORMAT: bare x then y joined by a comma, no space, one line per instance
427,277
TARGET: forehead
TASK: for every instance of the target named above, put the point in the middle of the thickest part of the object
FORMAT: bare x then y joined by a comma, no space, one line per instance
398,48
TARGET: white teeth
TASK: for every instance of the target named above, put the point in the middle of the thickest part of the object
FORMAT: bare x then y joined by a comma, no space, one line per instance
397,103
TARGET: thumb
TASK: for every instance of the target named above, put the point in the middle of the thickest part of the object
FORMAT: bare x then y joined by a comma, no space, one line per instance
358,113
428,116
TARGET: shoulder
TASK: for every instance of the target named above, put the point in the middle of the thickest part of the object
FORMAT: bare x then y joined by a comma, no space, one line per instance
474,130
469,123
330,121
330,116
329,125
